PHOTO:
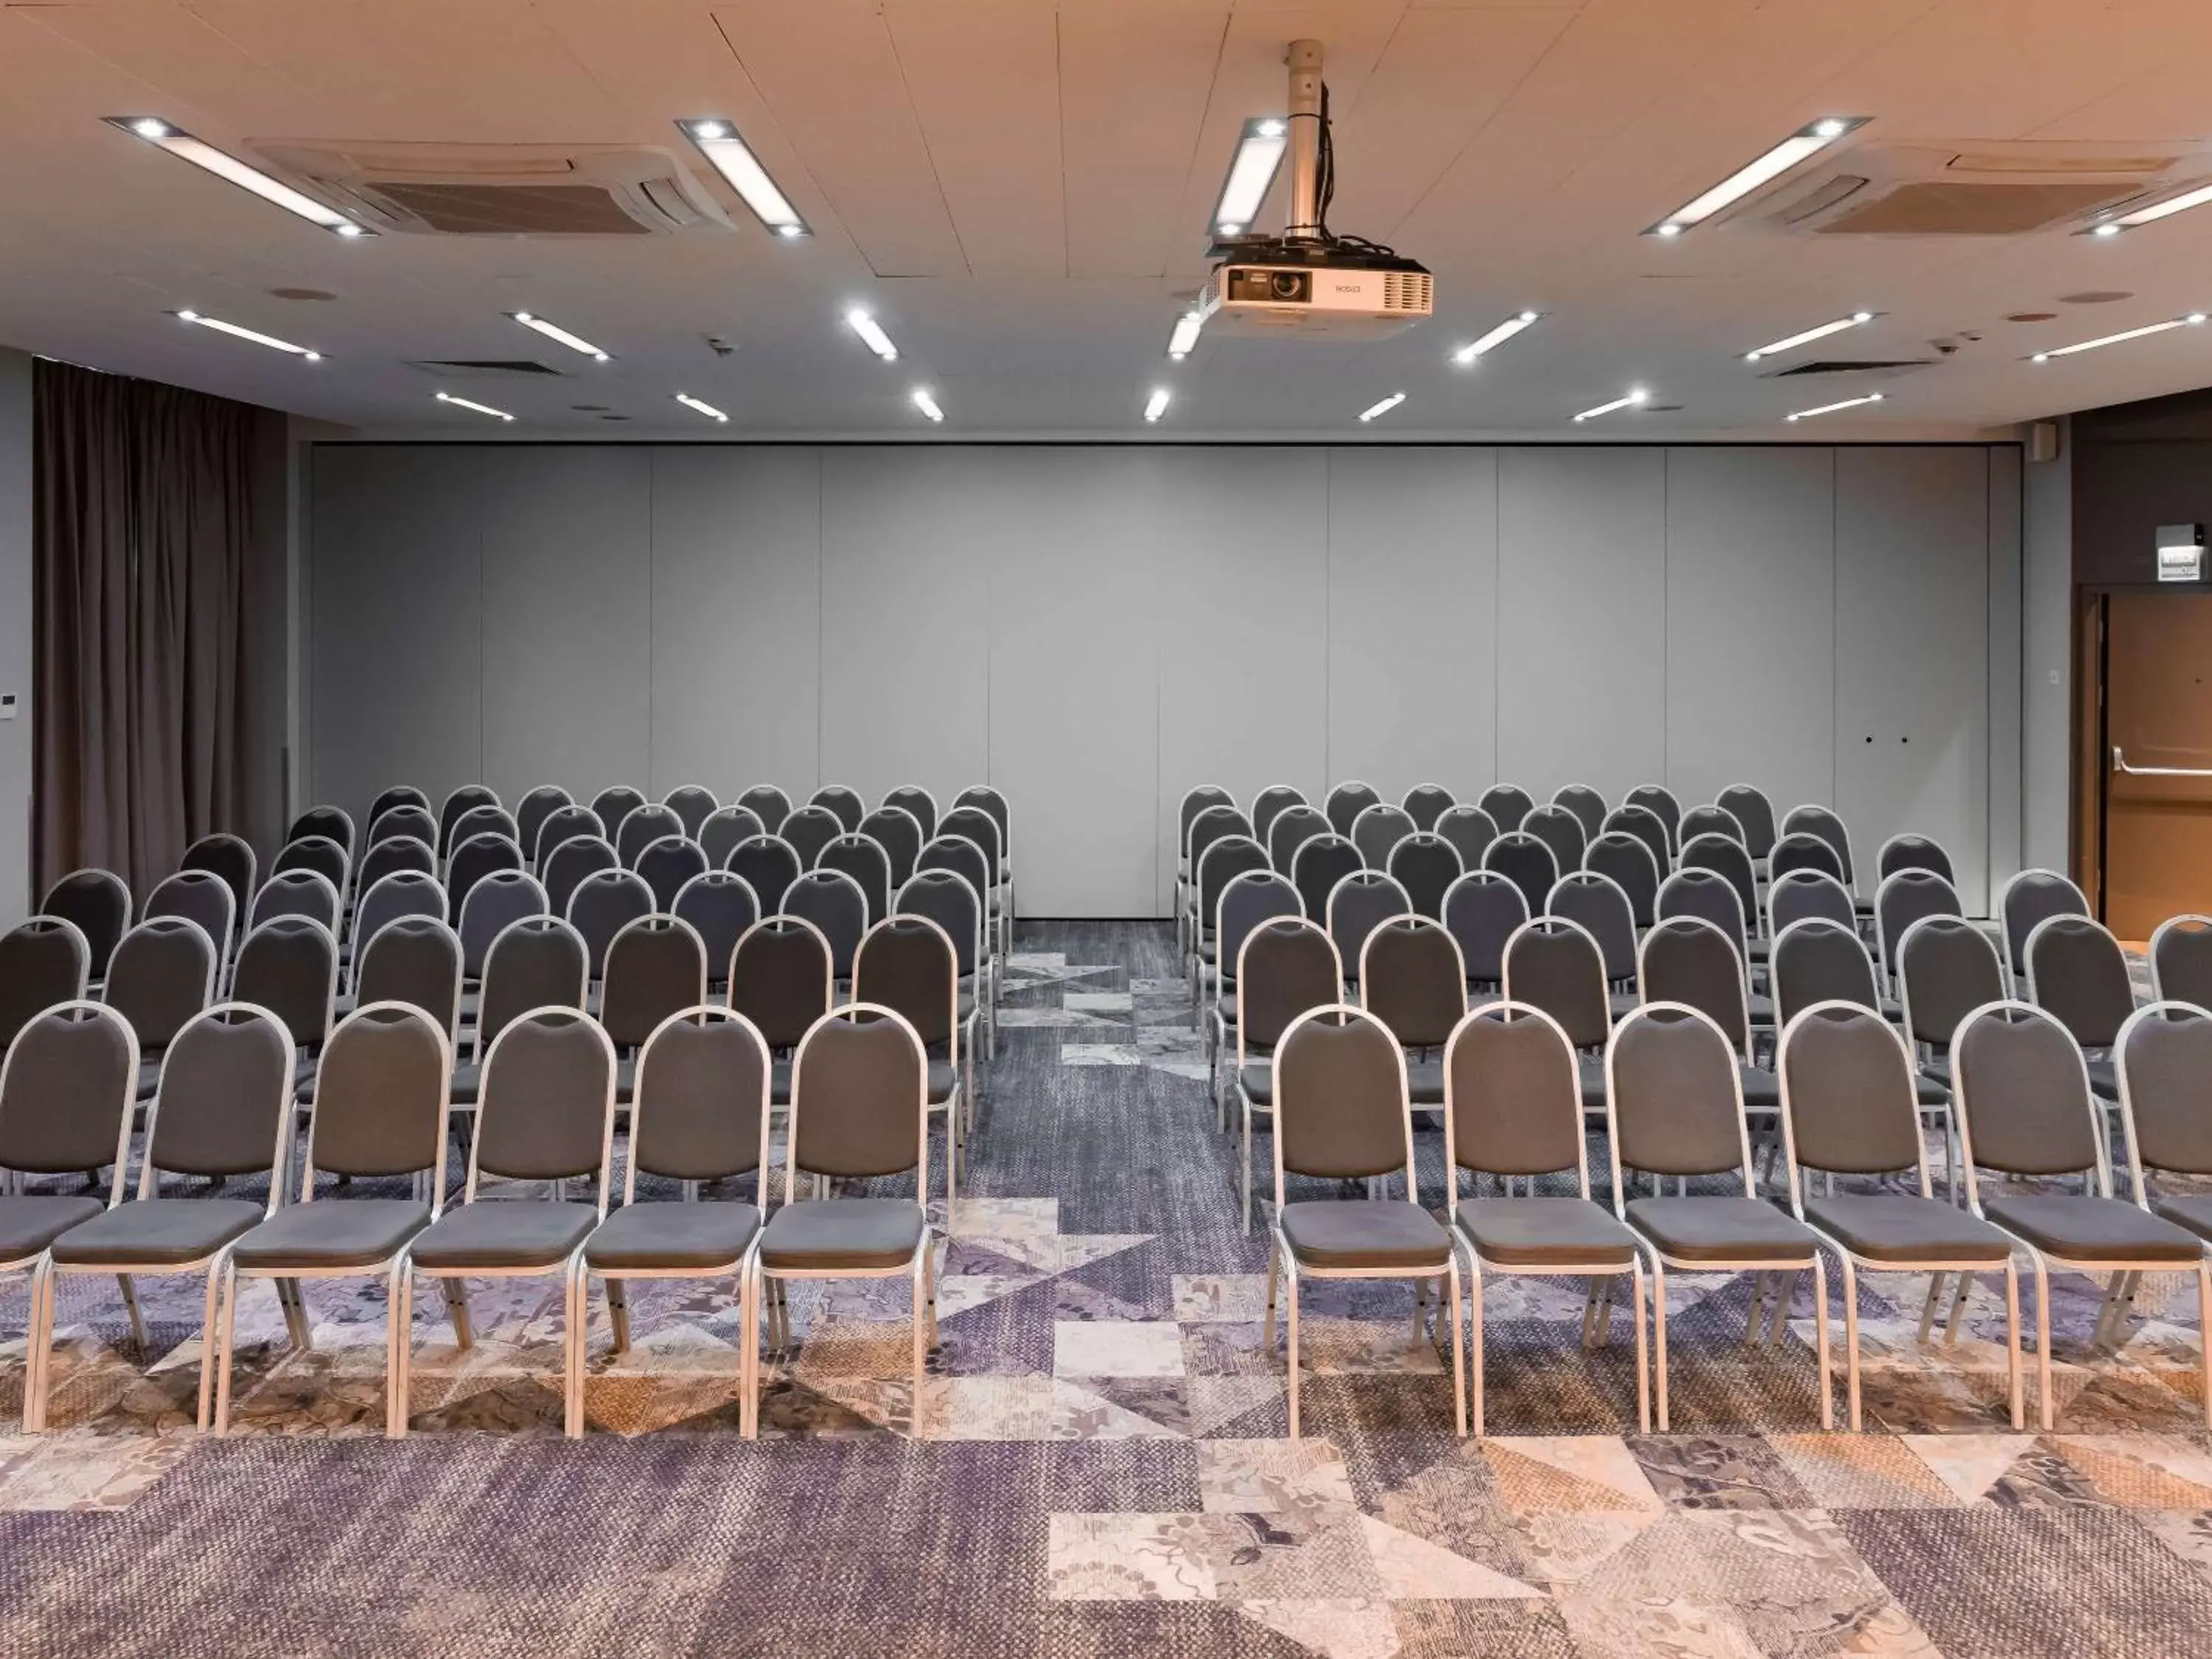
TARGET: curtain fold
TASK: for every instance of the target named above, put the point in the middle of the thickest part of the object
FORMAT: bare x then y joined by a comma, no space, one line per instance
142,554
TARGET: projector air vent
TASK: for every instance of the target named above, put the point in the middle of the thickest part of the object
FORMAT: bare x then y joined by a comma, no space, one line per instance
482,368
1408,290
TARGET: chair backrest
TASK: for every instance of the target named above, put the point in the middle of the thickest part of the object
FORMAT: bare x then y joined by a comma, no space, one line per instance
809,829
1586,804
614,804
1341,1099
1849,1104
1625,860
1910,852
1707,894
1824,822
1481,910
319,854
947,898
483,821
769,864
1526,862
1901,900
768,803
1266,806
1947,968
917,803
67,1083
1222,863
909,963
1561,831
416,960
2077,973
843,804
862,857
1318,864
1506,804
724,830
1754,813
381,1097
296,893
389,858
1214,823
1596,905
604,905
1641,822
545,1103
1802,895
403,893
642,827
202,896
1658,800
1726,857
655,966
289,966
974,824
98,903
415,822
539,961
229,857
2022,1094
502,897
1426,803
1293,827
532,812
1425,864
223,1106
573,863
1712,821
403,794
720,906
834,902
1197,800
1413,978
1512,1098
1800,849
699,1107
961,856
2163,1060
2030,897
1553,964
473,860
898,832
667,865
1673,1098
43,961
562,824
1817,960
1470,830
2181,960
1361,902
1247,899
463,801
1285,966
1377,829
1689,959
693,805
782,978
1345,803
163,973
859,1099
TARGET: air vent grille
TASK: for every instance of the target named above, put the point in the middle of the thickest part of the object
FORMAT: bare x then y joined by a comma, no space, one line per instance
1850,366
1954,207
512,209
1407,290
482,369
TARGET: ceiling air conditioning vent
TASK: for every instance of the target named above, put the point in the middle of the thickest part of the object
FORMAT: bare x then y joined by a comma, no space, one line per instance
505,190
482,369
1888,367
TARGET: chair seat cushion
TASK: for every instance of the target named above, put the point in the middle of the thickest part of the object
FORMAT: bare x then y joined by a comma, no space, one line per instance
2080,1228
1717,1228
1425,1080
1906,1227
523,1232
1760,1088
465,1081
943,1079
2193,1212
333,1232
1258,1078
705,1235
779,1083
1539,1233
30,1222
157,1231
2104,1079
1361,1232
862,1233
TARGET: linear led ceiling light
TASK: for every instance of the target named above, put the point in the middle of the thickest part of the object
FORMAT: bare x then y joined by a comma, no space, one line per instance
553,331
238,333
727,154
1830,409
1497,337
181,145
481,408
706,409
1383,408
2151,215
872,334
1185,336
1629,399
2190,320
1157,404
1251,171
926,403
1794,341
1808,140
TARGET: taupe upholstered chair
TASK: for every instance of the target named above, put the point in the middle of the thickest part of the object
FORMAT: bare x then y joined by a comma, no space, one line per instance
1213,825
945,897
1947,968
1425,864
1204,797
1528,863
1292,828
1554,965
563,823
2077,974
540,962
231,859
1586,804
402,893
463,800
331,823
1513,1110
859,1112
1626,861
1377,829
768,803
223,1109
1268,805
401,855
720,906
2025,1109
1820,960
1903,898
1220,861
403,821
296,893
42,962
914,799
724,830
701,1113
899,833
2181,960
1800,849
971,861
99,904
416,960
1641,822
1709,897
1658,800
1470,830
474,860
401,794
1320,862
66,1087
782,978
693,805
2165,1059
547,1114
835,905
1341,1114
656,965
845,805
1754,812
163,974
1426,803
1255,897
1596,905
200,896
614,804
1849,1108
1413,978
1825,824
1724,856
290,967
1344,804
1285,966
1561,830
532,812
1688,960
1910,852
604,905
494,904
1507,804
1361,902
769,864
642,827
380,1105
1804,894
666,865
1674,1107
910,965
863,858
572,864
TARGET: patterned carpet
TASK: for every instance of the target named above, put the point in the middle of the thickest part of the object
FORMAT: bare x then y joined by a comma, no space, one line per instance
1097,1466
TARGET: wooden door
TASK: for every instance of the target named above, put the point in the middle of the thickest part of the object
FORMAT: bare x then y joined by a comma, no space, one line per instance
2158,759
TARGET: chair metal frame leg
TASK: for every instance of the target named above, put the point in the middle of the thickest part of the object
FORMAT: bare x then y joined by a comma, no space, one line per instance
2204,1333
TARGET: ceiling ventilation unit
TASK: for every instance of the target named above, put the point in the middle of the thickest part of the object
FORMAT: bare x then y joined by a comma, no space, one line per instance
505,190
1945,190
482,369
1881,367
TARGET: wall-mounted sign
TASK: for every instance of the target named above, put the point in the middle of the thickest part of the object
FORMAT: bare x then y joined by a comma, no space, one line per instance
2181,553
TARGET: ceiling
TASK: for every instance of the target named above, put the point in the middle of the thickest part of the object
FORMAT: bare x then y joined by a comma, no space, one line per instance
1020,190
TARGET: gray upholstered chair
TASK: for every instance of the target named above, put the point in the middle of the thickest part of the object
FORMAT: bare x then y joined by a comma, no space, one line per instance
229,857
2181,960
899,833
693,805
400,855
945,897
834,902
1218,822
1285,966
540,962
1754,813
1507,804
1688,959
1586,804
1555,966
1248,899
864,859
1481,911
1268,805
1344,804
1320,862
720,906
547,1114
402,893
498,900
724,830
1413,978
1709,897
416,960
1625,860
380,1111
1825,824
1901,900
1911,852
614,804
1561,830
656,965
782,978
604,903
1674,1107
1292,828
974,824
1641,822
481,820
1724,856
1805,895
532,812
1525,861
667,865
1947,968
290,967
1377,829
1513,1110
917,803
642,827
1361,902
1849,1108
1220,861
910,965
563,823
331,823
1659,800
1713,820
163,974
2164,1060
42,962
400,794
1425,864
460,802
1800,849
1341,1114
845,805
99,904
768,803
1424,803
769,864
473,860
200,896
2077,974
1470,830
406,821
1204,797
296,893
1820,960
1596,905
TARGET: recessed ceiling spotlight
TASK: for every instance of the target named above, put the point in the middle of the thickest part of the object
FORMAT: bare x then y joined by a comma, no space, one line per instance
2190,321
2105,230
1251,172
481,408
1635,397
1808,140
1184,337
717,140
1497,337
164,134
1157,404
706,409
925,403
238,333
871,333
1792,341
1376,411
553,331
1830,409
2151,215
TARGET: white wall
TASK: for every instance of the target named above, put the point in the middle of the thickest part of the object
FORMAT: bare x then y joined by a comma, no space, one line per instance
2047,667
16,632
1096,629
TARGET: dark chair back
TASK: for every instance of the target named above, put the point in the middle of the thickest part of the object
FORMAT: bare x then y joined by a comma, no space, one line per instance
1625,860
545,1104
1253,897
1753,812
809,829
612,805
1947,968
1378,829
1658,800
404,893
1425,865
1513,1095
1193,802
899,833
1688,959
407,819
781,978
473,860
2023,1094
163,974
1359,903
291,967
2077,973
1817,960
404,795
974,824
1909,852
908,963
1426,803
693,805
462,801
1847,1098
1559,830
719,906
918,804
2181,960
416,960
1506,804
1800,849
1901,900
1674,1097
319,854
1707,895
1646,825
1823,823
540,962
1267,805
223,1106
98,904
1285,967
945,898
229,856
1470,830
961,857
402,853
381,1095
481,820
202,896
42,962
1586,804
1344,804
859,1090
656,966
1214,823
296,893
1596,905
770,864
1293,827
572,864
1553,965
842,804
641,827
863,858
700,1107
1528,863
602,907
532,812
2164,1059
1805,895
768,803
1412,978
563,824
1319,864
835,903
1712,821
500,898
1222,863
67,1083
1341,1101
667,865
1481,910
724,830
1726,857
2030,898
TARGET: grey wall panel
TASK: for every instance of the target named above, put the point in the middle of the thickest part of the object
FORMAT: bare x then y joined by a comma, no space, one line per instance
1242,613
1412,618
1075,569
2047,660
1751,622
737,635
15,633
2007,617
1582,635
905,613
397,621
568,617
1912,653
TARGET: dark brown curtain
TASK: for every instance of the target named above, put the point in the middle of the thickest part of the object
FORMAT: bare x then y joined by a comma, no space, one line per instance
143,561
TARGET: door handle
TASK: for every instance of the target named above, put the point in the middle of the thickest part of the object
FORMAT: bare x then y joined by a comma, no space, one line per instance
2120,764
